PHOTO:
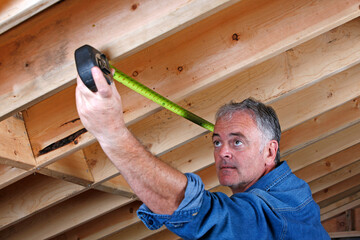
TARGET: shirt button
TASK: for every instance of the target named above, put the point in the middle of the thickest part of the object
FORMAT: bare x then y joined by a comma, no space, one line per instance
151,222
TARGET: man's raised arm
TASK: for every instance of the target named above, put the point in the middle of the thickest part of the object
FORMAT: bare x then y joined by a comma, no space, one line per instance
157,184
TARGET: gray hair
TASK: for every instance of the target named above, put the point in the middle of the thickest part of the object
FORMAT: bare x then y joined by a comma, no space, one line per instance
264,116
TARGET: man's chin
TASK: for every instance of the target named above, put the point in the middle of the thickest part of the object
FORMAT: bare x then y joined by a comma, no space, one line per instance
226,181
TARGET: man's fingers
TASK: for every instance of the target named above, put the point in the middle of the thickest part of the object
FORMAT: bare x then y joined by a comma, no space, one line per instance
81,87
103,87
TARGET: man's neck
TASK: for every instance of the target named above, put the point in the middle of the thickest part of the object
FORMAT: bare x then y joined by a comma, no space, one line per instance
243,188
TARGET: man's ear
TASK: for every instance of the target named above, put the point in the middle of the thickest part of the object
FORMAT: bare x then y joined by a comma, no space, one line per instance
271,149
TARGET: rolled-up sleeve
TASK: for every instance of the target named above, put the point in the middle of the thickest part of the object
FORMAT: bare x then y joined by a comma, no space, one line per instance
186,211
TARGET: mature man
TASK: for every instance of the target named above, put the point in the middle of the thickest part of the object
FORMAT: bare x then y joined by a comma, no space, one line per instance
268,201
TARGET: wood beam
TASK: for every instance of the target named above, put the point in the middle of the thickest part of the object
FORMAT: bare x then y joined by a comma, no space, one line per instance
116,185
348,185
65,215
340,206
320,126
105,225
37,193
329,164
324,148
347,234
133,232
72,168
335,224
193,76
100,166
15,149
106,177
335,177
16,11
67,26
9,175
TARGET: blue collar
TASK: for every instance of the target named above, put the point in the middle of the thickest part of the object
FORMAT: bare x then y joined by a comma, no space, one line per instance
272,178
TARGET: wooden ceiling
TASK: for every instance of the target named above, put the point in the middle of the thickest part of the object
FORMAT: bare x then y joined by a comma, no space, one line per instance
300,56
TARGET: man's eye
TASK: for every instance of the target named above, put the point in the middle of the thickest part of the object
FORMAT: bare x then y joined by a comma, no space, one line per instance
237,143
217,143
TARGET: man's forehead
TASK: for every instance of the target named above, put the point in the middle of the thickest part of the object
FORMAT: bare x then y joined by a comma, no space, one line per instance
239,117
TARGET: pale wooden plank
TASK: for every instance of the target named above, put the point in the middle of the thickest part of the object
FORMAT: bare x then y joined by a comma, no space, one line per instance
14,12
31,195
68,26
320,126
167,79
339,197
336,223
133,232
340,203
349,204
105,225
100,166
329,164
337,189
349,234
321,96
15,149
116,185
106,177
65,215
9,175
72,168
335,177
324,148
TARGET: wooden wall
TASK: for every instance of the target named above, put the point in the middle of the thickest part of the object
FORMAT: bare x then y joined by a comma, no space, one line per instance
300,56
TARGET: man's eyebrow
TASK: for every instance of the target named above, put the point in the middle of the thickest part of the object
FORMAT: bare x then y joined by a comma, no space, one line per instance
238,134
215,135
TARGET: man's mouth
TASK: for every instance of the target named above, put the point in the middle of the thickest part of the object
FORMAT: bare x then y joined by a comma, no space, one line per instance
227,167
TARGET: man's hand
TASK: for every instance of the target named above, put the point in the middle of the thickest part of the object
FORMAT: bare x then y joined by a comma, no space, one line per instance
100,112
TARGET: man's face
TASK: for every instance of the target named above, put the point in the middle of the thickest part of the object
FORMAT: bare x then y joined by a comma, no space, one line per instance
239,151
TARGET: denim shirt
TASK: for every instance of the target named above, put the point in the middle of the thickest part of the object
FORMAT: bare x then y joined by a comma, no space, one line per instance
277,206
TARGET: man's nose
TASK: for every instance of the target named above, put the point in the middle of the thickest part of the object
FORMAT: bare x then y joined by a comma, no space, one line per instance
225,152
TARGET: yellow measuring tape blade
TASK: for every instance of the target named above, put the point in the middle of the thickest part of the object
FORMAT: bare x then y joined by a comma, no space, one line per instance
159,99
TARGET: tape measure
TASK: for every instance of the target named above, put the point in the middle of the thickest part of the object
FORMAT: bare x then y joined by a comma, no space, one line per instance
87,57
